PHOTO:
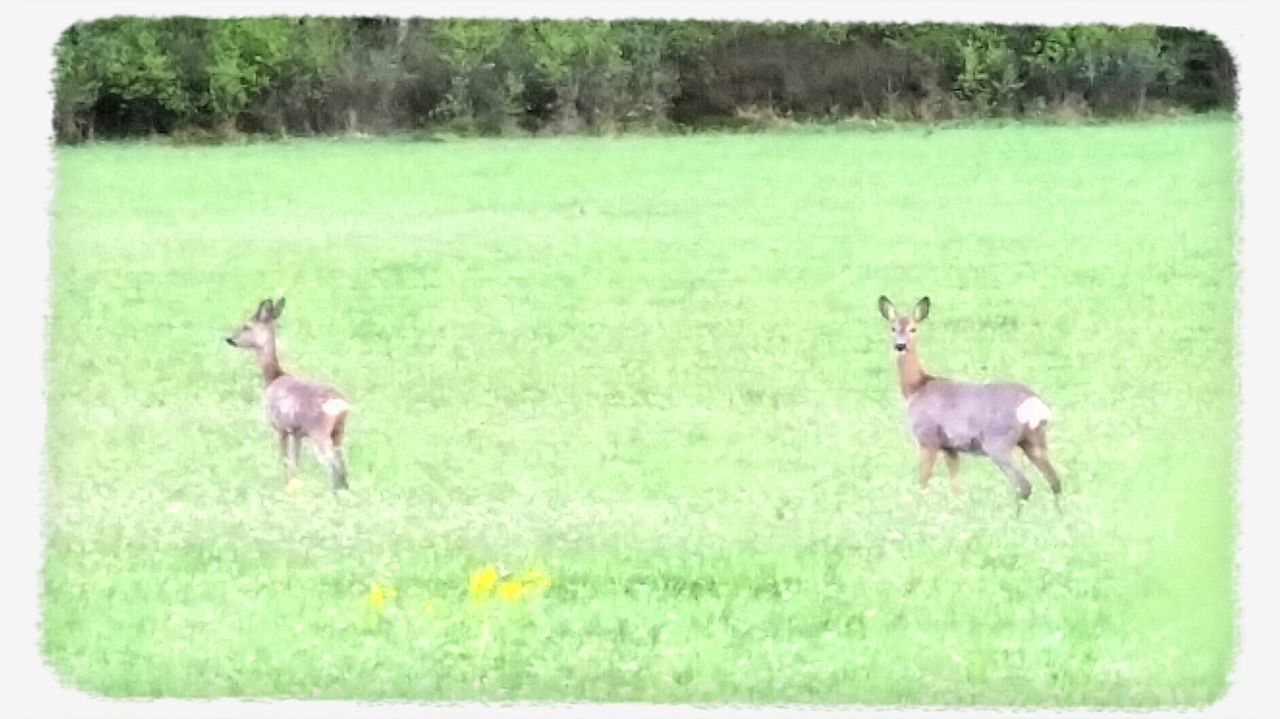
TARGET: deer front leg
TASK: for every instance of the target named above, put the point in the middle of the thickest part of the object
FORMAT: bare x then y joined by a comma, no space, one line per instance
927,457
295,448
953,471
289,445
289,466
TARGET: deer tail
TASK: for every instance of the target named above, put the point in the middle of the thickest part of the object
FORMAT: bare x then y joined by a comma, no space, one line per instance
1033,412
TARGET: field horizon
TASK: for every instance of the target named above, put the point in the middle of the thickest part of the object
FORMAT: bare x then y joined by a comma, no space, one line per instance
645,381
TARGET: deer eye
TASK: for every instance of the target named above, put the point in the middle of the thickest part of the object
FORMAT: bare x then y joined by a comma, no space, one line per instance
913,330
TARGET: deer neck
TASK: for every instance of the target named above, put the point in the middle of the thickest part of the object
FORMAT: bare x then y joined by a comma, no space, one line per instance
269,363
911,376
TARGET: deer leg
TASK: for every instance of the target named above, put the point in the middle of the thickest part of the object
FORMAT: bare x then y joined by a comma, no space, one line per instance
339,468
953,471
1039,456
927,457
295,447
1003,458
287,457
331,454
339,426
339,455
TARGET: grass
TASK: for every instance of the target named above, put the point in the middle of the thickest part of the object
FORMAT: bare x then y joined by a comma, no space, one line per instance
652,369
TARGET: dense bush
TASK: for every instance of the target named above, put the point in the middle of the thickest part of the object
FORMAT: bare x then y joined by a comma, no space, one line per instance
129,76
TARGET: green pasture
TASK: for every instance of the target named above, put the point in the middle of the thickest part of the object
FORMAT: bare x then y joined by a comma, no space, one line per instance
652,369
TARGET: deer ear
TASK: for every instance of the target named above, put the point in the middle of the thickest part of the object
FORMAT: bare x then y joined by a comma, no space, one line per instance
922,309
887,310
277,308
264,311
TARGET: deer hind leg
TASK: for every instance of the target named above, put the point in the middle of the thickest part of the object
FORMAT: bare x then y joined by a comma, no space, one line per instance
1036,449
328,443
1002,456
339,454
338,468
331,455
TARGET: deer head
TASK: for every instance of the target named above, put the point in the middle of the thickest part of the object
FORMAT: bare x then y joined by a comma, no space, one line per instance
258,331
903,327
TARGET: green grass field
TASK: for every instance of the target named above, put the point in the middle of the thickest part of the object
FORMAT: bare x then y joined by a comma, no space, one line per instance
651,367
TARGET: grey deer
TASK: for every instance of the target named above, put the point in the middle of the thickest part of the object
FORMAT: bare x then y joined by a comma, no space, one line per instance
297,408
952,417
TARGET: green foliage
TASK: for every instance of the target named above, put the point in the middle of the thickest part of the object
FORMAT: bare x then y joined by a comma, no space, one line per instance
485,85
1205,74
127,75
582,61
651,80
661,378
990,71
307,74
119,66
77,86
246,58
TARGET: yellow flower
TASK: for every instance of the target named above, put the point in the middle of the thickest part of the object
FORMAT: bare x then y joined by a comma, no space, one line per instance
511,590
378,596
483,581
536,579
429,607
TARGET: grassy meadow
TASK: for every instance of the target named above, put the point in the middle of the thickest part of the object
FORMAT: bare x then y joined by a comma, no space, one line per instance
644,380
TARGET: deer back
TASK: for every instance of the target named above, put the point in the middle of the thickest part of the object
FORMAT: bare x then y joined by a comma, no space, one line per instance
964,416
301,406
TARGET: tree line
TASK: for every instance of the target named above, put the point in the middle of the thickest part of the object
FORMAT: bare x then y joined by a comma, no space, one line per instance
216,78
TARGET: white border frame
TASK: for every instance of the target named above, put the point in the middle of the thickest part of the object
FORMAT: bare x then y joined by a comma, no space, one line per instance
33,29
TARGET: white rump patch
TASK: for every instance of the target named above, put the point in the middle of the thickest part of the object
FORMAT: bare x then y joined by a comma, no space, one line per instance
1033,411
335,405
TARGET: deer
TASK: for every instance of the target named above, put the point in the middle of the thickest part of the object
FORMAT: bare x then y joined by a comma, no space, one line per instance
950,417
296,408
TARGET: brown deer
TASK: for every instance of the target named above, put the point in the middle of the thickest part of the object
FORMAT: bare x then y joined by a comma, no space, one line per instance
296,407
953,417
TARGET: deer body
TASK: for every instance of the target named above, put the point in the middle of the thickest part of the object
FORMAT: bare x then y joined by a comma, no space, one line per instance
296,408
950,417
965,417
303,408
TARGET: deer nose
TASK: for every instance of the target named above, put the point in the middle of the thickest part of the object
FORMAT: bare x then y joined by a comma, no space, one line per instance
900,346
231,342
